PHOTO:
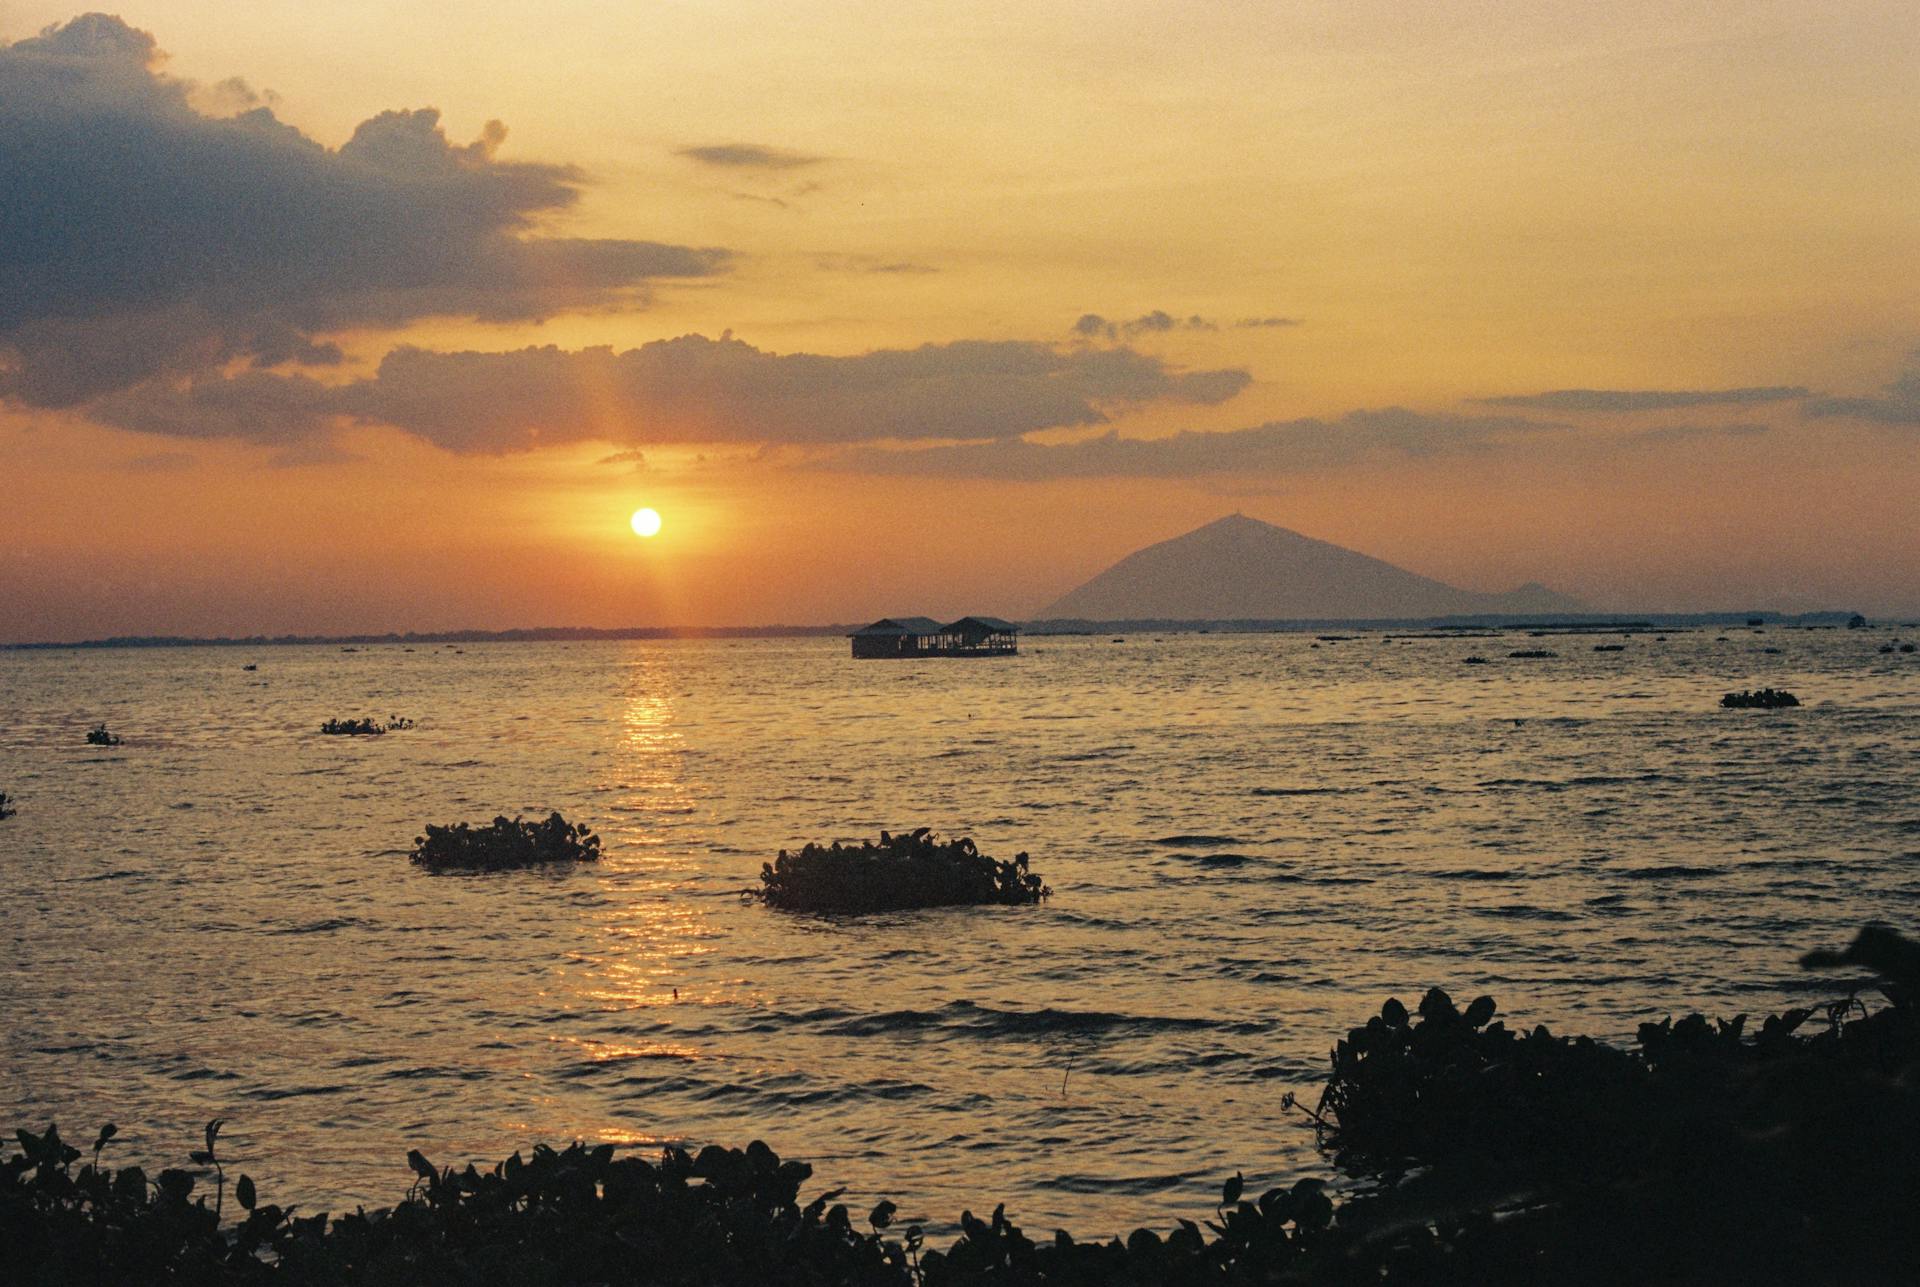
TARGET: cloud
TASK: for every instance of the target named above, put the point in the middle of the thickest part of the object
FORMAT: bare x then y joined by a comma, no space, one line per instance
141,237
685,390
871,264
748,156
255,406
1645,399
1092,326
1281,447
1696,433
1899,406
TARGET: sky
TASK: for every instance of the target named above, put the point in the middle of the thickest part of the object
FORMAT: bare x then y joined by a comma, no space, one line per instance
364,317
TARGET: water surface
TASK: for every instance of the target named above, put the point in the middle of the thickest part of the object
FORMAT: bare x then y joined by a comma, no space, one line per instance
1253,841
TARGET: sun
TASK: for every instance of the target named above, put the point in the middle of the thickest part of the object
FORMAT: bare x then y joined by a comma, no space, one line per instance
646,522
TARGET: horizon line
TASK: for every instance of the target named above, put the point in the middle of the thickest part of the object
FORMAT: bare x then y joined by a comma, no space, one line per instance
1061,625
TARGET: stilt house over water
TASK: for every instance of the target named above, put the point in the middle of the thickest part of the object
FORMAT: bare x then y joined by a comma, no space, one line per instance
925,637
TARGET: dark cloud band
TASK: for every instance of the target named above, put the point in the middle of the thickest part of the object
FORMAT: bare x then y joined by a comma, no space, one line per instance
1617,400
690,389
1279,447
142,238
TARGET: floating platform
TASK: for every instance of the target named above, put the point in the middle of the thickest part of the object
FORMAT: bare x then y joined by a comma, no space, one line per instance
925,637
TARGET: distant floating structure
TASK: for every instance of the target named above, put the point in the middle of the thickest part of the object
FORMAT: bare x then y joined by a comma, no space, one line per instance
925,637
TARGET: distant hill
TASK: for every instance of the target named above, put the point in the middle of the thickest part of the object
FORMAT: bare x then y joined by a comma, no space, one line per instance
1240,568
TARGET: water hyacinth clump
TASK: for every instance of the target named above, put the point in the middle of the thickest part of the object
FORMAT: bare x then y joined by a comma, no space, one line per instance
98,736
505,844
583,1215
1711,1151
364,727
575,1215
896,873
1766,699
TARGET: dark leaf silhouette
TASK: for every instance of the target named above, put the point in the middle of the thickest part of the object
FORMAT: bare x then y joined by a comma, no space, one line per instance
505,844
898,872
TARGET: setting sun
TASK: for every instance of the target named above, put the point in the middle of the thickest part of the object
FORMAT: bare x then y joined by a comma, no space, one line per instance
646,522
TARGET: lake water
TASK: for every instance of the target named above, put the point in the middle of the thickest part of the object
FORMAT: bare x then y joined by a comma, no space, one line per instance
1252,842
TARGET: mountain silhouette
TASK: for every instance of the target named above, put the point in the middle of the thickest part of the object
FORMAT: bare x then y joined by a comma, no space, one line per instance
1239,568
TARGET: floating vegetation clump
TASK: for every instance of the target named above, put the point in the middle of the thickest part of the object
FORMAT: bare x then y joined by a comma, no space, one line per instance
898,872
1766,699
6,806
575,1215
505,844
99,736
1474,661
1609,647
1710,1151
364,727
1532,653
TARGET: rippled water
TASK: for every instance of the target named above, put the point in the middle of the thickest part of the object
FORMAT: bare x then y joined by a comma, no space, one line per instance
1253,840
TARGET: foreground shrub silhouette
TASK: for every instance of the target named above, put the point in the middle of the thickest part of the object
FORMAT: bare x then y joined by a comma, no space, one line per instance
98,736
1764,699
576,1215
1705,1153
898,872
505,844
364,727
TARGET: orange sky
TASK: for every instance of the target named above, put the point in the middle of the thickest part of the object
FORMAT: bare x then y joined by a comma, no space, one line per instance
264,368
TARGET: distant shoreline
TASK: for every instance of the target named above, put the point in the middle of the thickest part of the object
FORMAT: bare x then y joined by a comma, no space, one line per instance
1067,626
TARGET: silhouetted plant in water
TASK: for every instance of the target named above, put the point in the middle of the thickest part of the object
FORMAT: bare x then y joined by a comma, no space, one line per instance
1707,1152
209,1157
98,736
577,1215
364,727
504,844
896,873
6,809
1891,956
1473,661
723,1217
1533,653
1764,699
